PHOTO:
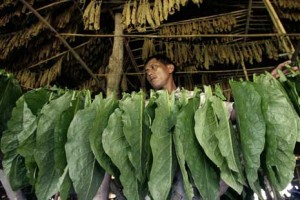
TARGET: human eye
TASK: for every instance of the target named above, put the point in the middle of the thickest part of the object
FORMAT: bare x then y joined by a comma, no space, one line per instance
154,67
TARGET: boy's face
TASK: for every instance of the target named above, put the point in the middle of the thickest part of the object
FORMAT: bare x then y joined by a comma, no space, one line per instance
158,74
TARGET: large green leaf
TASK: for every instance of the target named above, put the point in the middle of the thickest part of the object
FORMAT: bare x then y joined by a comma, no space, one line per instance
116,146
206,129
85,173
10,91
132,107
228,139
21,123
281,133
252,128
35,100
179,148
104,108
163,167
149,114
48,176
60,139
202,169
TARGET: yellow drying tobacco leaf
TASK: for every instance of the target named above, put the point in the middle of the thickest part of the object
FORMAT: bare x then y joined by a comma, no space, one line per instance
231,55
258,49
149,16
251,55
145,49
126,14
161,12
183,2
97,15
171,6
156,13
165,9
133,13
255,52
86,15
245,52
92,16
177,5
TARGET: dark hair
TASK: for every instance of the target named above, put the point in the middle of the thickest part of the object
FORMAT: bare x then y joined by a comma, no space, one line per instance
161,58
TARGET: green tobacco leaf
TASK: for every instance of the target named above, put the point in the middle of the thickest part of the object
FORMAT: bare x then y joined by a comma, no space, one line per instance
228,139
104,108
48,176
65,184
162,171
252,128
281,133
35,100
132,118
60,139
10,91
179,148
206,129
20,123
149,114
202,170
84,171
116,147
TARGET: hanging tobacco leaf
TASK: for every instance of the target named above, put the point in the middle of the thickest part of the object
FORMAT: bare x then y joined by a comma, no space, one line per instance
44,154
117,148
85,172
10,91
104,108
163,166
18,141
208,132
252,129
60,139
281,133
202,170
132,107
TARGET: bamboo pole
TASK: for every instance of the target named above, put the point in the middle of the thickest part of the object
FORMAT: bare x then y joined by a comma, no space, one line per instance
181,36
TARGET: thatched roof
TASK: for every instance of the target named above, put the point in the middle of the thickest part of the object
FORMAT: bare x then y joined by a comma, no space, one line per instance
210,41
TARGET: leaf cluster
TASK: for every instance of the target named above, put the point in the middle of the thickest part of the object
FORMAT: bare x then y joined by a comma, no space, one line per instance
61,140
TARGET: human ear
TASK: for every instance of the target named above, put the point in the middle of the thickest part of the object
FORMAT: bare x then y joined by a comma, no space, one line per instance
170,68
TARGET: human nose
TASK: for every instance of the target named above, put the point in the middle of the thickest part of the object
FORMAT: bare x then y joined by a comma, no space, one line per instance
149,72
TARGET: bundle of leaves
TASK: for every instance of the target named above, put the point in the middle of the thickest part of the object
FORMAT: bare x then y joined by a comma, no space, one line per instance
61,140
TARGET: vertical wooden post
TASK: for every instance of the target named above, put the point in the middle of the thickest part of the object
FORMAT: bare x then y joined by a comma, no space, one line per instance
287,44
115,66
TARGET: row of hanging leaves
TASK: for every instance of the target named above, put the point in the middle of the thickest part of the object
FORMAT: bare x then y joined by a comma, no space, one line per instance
208,55
46,142
287,4
91,15
138,14
288,9
24,37
293,16
30,79
213,25
21,38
